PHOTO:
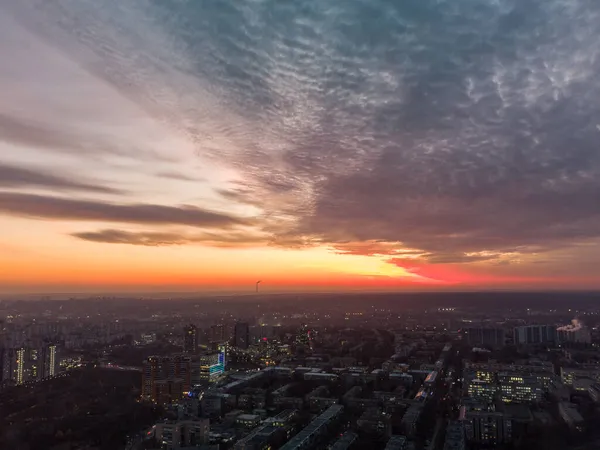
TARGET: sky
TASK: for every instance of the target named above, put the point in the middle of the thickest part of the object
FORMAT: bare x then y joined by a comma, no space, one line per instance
311,144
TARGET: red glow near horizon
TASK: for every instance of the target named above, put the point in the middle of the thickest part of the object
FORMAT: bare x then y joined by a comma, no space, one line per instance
455,274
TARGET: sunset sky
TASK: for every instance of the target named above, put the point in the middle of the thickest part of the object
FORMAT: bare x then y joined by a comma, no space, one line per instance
312,144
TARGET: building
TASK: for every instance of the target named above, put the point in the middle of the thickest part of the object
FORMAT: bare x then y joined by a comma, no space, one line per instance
48,361
515,387
375,422
166,379
486,427
482,390
535,334
168,391
211,404
30,363
569,375
321,376
182,434
147,338
494,367
583,384
490,337
455,436
396,442
207,368
488,372
217,334
594,391
410,419
575,332
241,338
345,442
303,336
316,430
569,413
430,379
248,420
190,339
270,434
9,361
19,371
284,418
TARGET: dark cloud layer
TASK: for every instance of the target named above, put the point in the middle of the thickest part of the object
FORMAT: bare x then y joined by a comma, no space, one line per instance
19,177
55,208
453,127
462,129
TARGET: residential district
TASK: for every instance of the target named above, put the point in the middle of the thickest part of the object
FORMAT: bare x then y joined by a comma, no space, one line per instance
437,373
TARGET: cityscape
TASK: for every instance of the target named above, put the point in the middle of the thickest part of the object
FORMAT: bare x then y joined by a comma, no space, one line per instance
299,225
447,371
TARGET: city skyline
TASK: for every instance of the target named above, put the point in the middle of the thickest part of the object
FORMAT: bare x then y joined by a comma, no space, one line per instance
316,146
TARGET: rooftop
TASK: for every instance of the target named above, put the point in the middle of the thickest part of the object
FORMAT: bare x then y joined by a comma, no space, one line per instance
313,428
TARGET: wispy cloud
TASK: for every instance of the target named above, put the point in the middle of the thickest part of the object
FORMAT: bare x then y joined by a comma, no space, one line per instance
226,239
19,177
56,208
178,176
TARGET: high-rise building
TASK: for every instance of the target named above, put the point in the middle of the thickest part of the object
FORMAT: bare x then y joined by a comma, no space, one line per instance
166,379
19,375
9,364
190,339
217,333
491,337
242,335
48,361
28,363
207,367
534,334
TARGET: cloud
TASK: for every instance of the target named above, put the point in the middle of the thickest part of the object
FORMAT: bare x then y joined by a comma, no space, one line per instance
458,274
158,239
374,248
55,208
460,129
55,137
17,177
22,131
178,176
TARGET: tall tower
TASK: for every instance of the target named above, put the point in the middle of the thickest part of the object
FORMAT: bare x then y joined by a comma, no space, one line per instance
153,371
190,339
48,361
